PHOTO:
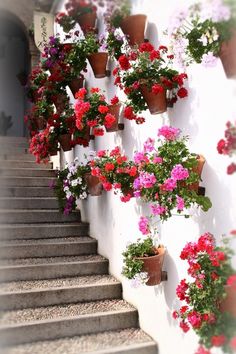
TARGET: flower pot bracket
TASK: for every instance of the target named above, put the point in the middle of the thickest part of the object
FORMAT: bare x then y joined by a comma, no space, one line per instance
164,276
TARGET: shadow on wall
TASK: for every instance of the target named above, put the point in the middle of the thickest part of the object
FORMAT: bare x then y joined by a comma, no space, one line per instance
219,219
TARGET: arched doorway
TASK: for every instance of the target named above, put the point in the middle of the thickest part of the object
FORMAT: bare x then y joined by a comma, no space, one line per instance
14,68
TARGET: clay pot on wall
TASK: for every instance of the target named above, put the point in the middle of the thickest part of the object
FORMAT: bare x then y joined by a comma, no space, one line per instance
94,184
76,84
98,62
40,122
87,21
153,266
134,27
60,101
65,141
115,111
198,169
157,103
228,55
229,303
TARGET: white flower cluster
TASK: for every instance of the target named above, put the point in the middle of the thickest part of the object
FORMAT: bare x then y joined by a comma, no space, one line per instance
139,279
72,180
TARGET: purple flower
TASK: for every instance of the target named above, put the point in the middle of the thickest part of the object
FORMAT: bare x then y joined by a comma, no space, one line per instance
179,172
53,51
143,225
158,209
169,184
149,145
179,203
147,180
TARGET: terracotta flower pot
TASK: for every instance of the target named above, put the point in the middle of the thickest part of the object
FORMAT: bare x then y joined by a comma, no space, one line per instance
229,303
60,101
65,141
94,185
153,266
134,27
76,84
40,122
98,62
198,169
115,111
87,21
53,152
156,102
228,55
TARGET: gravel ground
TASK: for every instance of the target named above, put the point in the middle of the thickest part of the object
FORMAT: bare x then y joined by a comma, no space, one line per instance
60,311
83,344
30,261
56,283
46,240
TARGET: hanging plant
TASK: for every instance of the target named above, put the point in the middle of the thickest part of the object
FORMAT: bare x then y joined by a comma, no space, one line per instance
203,32
165,173
209,268
146,76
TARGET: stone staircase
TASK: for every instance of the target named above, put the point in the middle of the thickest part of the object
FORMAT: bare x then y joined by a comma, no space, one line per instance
56,296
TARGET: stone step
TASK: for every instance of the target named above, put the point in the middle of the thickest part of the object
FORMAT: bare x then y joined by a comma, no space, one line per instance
14,150
52,322
26,172
24,216
58,291
46,230
28,203
26,192
68,246
14,140
19,157
25,181
51,267
125,341
24,164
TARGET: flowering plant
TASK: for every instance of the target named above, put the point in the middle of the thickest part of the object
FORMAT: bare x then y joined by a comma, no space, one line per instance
65,61
41,144
75,9
197,32
164,174
114,171
210,270
92,110
227,146
36,80
132,268
70,186
116,10
62,123
148,67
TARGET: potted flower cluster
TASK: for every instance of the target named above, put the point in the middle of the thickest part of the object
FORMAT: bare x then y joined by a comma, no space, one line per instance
42,145
203,32
166,175
114,170
63,126
92,111
227,146
70,186
36,80
39,114
82,12
118,14
66,62
146,76
143,261
202,297
95,54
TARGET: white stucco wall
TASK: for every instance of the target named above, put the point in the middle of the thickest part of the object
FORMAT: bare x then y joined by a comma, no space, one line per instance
202,116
